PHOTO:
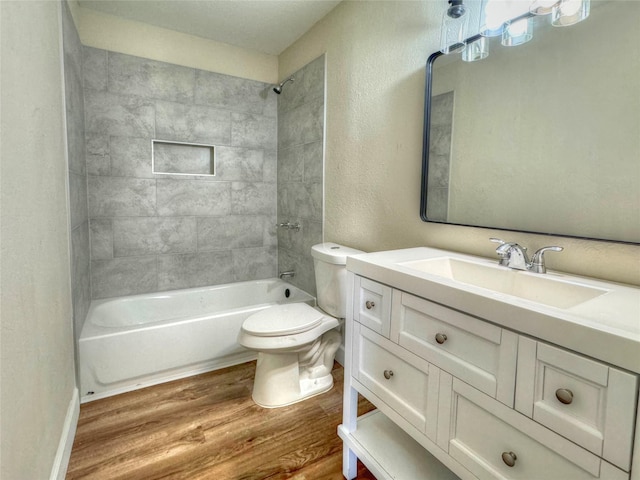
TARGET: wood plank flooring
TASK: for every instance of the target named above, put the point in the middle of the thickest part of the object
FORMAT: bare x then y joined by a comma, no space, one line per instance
207,427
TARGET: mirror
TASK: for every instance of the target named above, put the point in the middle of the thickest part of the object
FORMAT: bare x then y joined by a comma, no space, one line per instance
543,137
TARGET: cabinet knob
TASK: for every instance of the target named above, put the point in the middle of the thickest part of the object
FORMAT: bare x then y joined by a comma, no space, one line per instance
388,374
441,338
564,395
369,304
509,458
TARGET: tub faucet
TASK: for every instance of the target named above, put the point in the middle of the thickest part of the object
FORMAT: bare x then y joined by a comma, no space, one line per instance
288,274
515,256
289,226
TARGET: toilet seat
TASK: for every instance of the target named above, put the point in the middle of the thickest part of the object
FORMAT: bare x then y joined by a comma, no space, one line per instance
286,327
287,319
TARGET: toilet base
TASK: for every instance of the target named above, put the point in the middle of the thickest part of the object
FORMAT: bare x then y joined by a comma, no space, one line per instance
285,378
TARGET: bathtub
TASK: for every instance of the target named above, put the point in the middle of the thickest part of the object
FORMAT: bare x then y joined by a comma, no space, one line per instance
132,342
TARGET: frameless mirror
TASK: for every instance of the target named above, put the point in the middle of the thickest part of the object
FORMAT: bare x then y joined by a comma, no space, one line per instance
543,137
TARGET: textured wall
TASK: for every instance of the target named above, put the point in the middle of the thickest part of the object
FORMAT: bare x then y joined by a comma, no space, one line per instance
376,55
108,32
154,232
300,171
74,102
37,373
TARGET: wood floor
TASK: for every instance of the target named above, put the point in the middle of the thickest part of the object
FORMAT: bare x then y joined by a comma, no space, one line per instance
207,427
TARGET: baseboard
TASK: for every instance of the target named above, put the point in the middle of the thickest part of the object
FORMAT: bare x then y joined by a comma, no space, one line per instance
61,462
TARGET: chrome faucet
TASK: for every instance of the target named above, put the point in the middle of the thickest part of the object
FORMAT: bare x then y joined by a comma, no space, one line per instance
288,274
515,256
289,226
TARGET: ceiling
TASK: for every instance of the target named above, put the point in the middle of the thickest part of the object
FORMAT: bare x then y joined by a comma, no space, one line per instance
268,26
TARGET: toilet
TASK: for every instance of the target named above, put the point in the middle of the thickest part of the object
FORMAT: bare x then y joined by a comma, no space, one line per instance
297,343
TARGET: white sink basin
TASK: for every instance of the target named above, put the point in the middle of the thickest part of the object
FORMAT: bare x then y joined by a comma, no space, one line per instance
539,288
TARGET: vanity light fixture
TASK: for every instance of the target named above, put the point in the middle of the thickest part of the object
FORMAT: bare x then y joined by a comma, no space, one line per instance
543,7
570,12
476,50
493,15
517,32
455,25
510,19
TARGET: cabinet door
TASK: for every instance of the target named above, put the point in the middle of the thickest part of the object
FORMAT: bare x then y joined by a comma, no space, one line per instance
496,442
584,400
469,348
372,305
397,377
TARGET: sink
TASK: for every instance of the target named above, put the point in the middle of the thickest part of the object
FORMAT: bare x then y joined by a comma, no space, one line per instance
540,288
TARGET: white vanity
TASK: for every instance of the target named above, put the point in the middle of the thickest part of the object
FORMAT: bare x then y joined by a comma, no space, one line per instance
480,371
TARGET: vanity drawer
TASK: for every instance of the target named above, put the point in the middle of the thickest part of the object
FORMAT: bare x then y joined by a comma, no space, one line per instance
495,442
583,400
397,377
372,305
471,349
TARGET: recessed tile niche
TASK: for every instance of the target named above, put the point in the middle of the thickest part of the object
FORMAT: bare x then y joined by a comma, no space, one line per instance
179,158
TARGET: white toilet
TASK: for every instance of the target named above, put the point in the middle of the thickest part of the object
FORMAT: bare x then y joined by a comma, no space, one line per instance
297,343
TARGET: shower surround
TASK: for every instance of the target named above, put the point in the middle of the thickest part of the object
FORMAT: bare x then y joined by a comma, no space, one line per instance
301,171
152,232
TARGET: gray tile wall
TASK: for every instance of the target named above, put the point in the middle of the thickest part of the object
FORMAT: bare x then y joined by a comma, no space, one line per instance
439,156
74,101
154,232
301,170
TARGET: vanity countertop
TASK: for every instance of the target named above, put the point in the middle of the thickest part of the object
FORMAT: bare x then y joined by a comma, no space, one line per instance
606,327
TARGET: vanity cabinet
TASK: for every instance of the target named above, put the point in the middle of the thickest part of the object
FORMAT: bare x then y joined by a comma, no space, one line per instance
372,305
478,400
402,380
586,401
477,352
493,441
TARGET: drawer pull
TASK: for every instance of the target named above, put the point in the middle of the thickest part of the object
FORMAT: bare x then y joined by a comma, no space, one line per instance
441,338
369,304
564,395
509,458
388,374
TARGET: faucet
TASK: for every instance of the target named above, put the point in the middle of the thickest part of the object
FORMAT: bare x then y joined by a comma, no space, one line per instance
289,226
514,256
288,274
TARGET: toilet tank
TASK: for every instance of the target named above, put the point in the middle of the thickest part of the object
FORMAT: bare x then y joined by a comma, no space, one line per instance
329,262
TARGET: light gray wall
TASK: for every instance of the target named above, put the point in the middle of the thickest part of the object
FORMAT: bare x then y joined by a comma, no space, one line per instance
301,171
36,346
156,232
74,102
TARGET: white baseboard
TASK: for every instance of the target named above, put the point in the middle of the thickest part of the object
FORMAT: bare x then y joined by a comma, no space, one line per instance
61,462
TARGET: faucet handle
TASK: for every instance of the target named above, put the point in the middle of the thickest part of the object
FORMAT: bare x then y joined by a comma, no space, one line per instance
537,261
503,250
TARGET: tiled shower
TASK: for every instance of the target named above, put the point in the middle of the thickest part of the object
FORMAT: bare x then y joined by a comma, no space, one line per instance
134,231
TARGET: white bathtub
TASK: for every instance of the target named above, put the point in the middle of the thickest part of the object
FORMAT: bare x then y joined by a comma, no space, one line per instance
133,342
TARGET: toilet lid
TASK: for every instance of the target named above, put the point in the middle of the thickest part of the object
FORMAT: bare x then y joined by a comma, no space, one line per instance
287,319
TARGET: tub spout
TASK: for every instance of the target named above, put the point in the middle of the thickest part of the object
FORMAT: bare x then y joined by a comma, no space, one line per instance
287,274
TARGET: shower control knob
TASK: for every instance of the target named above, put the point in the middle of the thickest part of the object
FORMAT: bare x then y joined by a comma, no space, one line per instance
388,374
564,395
441,338
369,304
509,458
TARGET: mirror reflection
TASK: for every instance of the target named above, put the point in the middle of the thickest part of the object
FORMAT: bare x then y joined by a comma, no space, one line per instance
543,137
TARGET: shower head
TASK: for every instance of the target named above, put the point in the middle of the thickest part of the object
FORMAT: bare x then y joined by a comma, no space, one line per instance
278,89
